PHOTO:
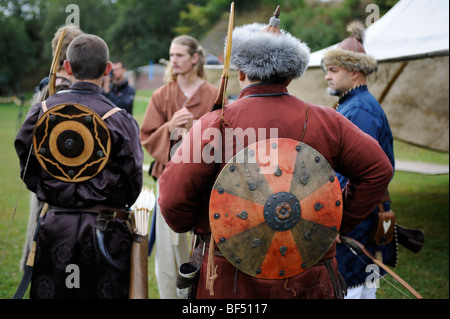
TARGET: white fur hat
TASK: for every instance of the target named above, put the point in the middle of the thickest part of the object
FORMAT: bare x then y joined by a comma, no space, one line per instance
265,55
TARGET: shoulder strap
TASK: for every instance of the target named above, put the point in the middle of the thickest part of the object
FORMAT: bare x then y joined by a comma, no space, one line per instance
104,117
306,121
111,112
44,106
222,120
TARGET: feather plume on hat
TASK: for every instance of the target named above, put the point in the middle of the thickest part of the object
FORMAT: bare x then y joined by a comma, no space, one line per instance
265,52
350,53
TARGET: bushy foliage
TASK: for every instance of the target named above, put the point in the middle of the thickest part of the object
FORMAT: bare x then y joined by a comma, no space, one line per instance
317,23
138,31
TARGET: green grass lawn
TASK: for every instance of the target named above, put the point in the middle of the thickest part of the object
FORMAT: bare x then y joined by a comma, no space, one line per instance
419,201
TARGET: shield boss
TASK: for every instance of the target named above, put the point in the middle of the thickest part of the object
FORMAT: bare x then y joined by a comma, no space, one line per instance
276,208
71,142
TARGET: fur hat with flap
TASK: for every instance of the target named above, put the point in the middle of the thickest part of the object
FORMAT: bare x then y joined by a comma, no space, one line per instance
350,53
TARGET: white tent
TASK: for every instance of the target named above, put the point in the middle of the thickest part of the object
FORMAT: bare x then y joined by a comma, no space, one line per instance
411,44
412,29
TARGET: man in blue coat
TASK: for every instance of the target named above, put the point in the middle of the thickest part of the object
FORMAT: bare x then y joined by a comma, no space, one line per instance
347,68
117,89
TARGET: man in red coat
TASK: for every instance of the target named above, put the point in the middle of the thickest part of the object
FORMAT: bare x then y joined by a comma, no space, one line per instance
267,63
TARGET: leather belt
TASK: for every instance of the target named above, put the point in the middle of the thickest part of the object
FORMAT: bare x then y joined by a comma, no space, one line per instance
119,213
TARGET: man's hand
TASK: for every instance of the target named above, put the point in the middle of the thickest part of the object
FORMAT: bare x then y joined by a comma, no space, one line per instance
181,118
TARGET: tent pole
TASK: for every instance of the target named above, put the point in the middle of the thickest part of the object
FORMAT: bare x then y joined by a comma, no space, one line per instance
391,82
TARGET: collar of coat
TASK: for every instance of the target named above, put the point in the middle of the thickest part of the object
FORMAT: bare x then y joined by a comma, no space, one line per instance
352,92
263,88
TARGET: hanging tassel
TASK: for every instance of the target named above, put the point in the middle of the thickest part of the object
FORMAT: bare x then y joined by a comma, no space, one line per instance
286,288
211,269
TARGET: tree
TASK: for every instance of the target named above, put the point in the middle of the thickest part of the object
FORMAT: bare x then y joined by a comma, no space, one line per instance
27,28
95,17
14,48
198,18
143,30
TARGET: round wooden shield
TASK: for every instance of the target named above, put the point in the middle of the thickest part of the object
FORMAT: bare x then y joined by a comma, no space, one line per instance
276,208
71,142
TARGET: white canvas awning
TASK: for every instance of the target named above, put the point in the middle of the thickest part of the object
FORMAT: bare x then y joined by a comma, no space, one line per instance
411,29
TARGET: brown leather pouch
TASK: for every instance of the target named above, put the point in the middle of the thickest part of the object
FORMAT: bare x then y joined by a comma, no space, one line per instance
384,228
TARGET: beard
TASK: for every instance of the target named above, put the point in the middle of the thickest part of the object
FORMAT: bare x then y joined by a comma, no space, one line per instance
333,92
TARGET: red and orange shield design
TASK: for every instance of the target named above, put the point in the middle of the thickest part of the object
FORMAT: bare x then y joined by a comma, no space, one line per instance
276,208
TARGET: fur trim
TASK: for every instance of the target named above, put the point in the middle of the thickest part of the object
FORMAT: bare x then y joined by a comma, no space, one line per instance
350,60
262,55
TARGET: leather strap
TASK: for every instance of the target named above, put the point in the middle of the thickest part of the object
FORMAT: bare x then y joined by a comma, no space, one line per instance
120,214
104,117
44,106
111,112
304,124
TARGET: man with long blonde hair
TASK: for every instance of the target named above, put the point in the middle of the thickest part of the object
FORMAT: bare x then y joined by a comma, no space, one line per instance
185,97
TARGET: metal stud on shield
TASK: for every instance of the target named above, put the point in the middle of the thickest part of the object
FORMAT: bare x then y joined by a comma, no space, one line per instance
275,209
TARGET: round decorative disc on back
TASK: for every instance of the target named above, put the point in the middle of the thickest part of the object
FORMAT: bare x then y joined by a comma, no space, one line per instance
275,208
71,142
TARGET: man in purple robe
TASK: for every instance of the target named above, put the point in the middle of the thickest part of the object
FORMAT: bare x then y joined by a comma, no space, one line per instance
84,239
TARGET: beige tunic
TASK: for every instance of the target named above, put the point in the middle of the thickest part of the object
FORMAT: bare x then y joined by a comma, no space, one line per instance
165,101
